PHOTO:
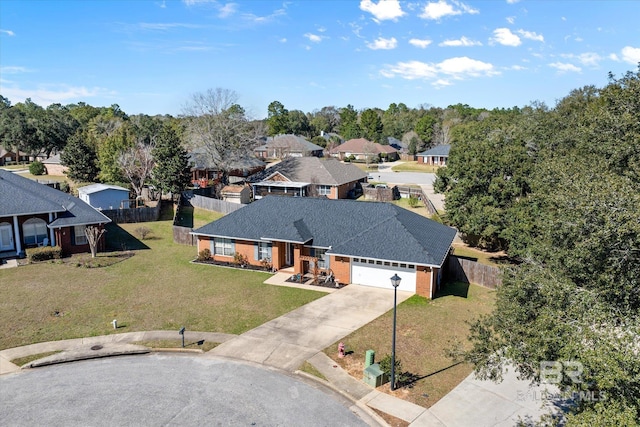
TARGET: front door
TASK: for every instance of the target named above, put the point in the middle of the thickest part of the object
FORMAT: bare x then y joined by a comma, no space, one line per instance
6,237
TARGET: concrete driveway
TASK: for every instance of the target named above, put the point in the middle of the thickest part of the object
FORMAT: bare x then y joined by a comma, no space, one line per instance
289,340
172,390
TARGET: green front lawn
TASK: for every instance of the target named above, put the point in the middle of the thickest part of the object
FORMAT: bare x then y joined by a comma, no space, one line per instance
425,330
156,288
414,167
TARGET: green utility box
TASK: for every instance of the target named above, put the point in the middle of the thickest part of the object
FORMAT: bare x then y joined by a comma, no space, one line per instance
374,376
369,358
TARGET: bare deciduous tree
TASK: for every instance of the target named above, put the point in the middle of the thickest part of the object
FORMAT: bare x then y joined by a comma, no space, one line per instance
220,128
136,164
94,233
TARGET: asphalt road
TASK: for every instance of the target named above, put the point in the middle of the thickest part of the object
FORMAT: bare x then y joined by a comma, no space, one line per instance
167,390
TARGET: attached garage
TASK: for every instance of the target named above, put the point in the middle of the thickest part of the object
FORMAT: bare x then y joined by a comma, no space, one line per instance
377,273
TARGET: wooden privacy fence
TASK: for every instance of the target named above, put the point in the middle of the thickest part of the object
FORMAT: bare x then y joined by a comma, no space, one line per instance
122,216
467,271
210,204
417,192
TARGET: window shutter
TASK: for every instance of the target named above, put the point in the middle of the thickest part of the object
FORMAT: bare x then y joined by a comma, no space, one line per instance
269,251
233,247
256,251
212,246
327,263
312,252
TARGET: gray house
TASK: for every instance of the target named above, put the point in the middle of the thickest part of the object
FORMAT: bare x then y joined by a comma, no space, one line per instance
102,196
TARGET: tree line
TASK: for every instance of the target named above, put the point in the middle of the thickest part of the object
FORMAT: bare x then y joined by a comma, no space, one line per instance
558,189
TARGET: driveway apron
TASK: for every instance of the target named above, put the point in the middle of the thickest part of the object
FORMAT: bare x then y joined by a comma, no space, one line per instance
287,341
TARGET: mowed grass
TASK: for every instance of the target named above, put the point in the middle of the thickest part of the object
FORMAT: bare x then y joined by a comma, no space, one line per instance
494,259
414,166
420,209
156,288
426,329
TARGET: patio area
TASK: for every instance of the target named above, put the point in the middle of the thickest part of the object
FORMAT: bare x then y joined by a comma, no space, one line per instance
287,277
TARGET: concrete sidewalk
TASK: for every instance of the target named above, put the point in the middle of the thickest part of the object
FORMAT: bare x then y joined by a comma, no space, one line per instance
291,339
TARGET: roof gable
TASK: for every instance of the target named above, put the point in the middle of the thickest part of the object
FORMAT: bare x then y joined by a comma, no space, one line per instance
439,150
312,170
361,145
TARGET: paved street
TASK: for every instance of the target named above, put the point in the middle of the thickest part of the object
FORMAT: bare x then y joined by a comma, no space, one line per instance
158,390
424,180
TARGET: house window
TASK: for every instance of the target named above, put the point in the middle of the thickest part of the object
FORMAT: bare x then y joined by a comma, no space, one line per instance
225,247
79,237
34,230
324,190
264,251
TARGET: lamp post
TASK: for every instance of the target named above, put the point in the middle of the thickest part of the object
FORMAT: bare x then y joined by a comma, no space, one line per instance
395,282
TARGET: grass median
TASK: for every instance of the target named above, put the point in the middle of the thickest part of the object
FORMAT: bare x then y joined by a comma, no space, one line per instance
155,289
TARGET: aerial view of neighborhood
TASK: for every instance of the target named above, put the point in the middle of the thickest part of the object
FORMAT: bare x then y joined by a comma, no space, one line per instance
320,213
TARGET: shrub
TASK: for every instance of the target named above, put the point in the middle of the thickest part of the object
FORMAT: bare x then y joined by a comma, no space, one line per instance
402,378
45,253
266,263
240,259
347,160
64,187
413,201
204,255
142,232
37,168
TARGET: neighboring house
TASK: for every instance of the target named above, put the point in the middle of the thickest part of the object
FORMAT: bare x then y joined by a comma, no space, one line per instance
284,146
32,214
203,171
308,176
359,242
362,148
54,166
9,157
437,156
240,194
102,196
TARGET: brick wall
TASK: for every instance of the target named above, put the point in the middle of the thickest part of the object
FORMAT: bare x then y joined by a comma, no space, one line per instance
341,267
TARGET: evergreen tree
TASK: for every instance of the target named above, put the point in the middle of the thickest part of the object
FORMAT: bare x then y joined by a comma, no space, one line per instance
171,170
80,158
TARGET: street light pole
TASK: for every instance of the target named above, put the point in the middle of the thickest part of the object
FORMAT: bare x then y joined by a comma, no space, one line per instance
395,282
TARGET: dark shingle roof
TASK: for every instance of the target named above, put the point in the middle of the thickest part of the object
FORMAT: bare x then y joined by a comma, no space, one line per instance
22,196
313,169
293,143
361,229
438,150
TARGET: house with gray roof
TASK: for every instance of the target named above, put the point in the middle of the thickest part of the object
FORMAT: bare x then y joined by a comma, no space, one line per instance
33,214
358,242
437,156
309,177
103,196
204,171
284,146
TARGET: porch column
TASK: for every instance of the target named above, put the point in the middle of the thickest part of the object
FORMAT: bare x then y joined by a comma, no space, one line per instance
298,265
16,232
52,236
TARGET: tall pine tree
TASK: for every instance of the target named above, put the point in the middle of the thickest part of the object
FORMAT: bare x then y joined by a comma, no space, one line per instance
171,171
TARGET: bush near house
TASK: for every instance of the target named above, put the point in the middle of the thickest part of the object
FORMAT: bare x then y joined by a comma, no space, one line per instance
45,253
37,168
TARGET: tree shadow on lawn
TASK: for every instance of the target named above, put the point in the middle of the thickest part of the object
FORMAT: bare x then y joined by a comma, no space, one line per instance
118,239
456,289
408,379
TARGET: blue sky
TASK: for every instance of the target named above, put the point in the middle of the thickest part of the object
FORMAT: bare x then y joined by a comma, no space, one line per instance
149,56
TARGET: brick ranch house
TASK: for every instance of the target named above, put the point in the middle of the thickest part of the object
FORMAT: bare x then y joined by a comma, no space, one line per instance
308,176
33,214
437,156
361,243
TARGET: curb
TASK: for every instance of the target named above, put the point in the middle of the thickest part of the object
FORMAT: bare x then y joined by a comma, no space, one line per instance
362,406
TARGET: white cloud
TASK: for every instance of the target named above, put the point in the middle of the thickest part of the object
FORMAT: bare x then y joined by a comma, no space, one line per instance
383,10
512,1
250,17
441,73
8,32
588,59
517,67
442,8
46,95
505,37
511,19
531,35
631,54
164,26
197,2
462,41
283,40
564,67
227,10
382,43
12,69
314,37
614,57
421,43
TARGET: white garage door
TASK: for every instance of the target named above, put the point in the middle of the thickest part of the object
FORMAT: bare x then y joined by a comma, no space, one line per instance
378,274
